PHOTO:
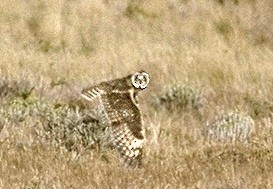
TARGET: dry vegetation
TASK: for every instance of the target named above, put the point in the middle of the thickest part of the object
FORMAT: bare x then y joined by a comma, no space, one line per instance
51,49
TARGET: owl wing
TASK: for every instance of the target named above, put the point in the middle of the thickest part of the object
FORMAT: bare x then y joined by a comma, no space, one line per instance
126,130
118,111
93,95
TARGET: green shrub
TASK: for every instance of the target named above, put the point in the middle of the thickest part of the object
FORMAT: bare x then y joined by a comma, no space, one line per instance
16,110
12,88
72,128
179,97
230,126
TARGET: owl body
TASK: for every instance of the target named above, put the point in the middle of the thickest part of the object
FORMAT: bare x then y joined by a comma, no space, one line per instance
116,107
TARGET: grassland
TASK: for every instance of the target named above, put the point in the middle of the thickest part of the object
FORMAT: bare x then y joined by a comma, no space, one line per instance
51,49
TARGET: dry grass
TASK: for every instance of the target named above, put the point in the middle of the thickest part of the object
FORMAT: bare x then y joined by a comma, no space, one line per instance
51,49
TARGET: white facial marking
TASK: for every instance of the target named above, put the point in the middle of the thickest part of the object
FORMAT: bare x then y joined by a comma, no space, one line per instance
140,80
140,77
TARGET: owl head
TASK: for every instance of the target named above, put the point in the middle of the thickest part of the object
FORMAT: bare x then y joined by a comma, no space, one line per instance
140,80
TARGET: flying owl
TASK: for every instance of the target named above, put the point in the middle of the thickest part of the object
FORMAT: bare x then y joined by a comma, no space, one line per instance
115,104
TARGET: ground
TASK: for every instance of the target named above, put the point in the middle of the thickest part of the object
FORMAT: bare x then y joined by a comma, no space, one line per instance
50,50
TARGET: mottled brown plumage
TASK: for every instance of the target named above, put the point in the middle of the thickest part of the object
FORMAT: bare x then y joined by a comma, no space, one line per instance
116,107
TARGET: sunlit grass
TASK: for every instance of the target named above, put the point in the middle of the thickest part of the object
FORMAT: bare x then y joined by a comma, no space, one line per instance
52,49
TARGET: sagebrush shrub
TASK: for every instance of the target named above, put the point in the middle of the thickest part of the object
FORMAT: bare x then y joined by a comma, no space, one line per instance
179,97
72,128
230,126
62,125
16,110
13,88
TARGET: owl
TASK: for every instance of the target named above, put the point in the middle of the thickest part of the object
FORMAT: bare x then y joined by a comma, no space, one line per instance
115,105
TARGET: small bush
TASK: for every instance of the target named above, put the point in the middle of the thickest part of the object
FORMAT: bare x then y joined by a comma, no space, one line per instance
179,97
61,125
71,128
17,110
13,88
231,127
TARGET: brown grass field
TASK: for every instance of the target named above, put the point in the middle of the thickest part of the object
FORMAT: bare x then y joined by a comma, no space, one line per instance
51,49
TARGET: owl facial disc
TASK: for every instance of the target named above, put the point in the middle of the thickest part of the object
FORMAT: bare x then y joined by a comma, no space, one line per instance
140,80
